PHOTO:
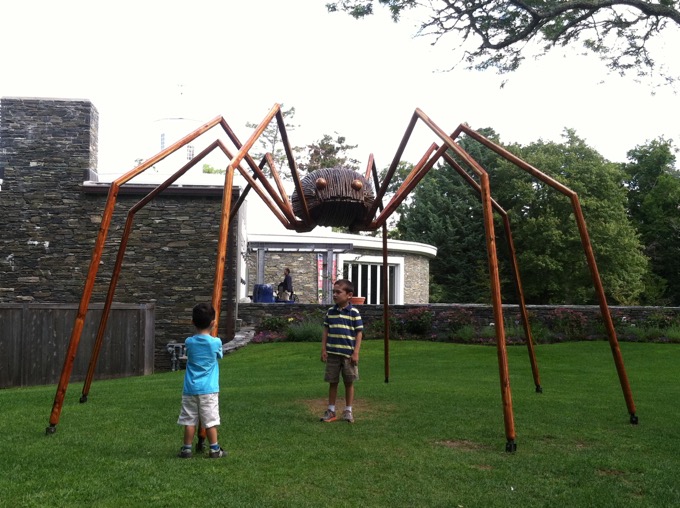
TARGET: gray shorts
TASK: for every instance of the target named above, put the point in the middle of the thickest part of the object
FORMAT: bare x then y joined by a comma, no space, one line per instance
204,407
336,364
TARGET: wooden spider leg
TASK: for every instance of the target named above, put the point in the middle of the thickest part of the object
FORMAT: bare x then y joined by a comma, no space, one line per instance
119,262
267,159
286,208
279,182
222,244
372,170
306,217
241,199
277,207
97,252
283,203
226,201
590,257
380,193
413,178
518,283
494,275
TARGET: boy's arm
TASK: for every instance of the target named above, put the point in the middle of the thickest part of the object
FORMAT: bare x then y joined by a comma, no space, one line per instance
219,350
357,347
324,340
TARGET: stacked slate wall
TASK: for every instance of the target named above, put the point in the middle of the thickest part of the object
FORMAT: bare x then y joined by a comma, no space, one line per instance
50,219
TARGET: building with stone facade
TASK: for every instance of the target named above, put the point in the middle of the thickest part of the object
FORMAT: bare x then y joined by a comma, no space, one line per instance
51,207
321,256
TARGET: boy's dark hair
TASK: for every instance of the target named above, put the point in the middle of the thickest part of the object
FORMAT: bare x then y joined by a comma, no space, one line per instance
286,271
202,315
345,284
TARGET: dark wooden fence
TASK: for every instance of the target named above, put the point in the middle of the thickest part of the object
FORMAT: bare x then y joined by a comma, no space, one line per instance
34,338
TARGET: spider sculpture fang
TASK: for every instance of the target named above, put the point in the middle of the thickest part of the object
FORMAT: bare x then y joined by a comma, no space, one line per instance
342,197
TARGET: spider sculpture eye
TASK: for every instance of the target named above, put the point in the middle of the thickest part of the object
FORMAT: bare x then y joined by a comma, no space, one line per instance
321,183
357,185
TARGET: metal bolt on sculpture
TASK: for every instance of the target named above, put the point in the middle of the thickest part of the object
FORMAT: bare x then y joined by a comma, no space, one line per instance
341,197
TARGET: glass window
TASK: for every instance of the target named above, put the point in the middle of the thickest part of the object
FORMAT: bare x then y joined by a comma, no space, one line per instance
367,280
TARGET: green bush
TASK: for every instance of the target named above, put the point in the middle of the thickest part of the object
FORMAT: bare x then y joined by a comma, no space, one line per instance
673,333
375,329
661,320
418,321
305,331
465,334
272,324
572,324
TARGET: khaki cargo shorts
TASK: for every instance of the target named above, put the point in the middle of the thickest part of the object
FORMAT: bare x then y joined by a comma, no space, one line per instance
336,364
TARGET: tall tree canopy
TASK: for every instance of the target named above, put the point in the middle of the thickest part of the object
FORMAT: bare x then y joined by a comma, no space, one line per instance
444,211
654,207
270,142
497,32
552,263
328,152
550,253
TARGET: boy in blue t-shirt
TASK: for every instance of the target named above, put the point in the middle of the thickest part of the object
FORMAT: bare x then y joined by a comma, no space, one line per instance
340,344
200,397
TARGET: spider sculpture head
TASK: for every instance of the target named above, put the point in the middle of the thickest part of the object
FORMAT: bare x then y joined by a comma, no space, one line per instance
338,197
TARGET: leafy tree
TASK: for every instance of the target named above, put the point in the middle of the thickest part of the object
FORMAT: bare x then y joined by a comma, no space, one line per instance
618,32
654,206
212,170
549,249
445,212
270,142
328,152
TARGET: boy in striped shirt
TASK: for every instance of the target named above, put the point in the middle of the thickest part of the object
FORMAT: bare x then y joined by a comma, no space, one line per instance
340,344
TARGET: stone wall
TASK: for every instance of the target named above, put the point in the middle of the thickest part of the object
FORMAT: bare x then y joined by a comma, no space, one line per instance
253,313
50,220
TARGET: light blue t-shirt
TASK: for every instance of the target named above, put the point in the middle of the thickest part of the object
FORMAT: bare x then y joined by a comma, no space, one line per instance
203,373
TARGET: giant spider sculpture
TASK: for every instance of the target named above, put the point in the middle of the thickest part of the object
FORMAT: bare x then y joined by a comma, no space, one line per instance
342,197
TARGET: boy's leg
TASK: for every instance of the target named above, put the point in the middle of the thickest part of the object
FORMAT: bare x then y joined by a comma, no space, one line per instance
349,394
185,452
189,431
347,414
350,374
216,451
212,435
210,417
329,415
332,393
188,418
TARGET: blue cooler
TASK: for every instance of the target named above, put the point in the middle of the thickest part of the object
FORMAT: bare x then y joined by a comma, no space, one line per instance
263,293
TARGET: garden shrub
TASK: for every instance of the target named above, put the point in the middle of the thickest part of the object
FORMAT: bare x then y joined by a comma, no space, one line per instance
571,323
272,324
305,331
453,319
418,321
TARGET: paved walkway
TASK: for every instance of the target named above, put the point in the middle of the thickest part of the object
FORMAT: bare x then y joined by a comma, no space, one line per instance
241,338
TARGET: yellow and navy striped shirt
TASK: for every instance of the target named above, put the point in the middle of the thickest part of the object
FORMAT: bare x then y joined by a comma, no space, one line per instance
343,325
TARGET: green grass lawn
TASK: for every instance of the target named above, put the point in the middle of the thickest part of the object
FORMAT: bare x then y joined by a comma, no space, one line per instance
432,436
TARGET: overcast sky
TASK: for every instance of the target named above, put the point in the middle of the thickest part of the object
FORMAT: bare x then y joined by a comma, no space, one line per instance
362,79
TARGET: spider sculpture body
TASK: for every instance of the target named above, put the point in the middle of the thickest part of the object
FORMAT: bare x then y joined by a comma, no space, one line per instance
342,197
338,197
